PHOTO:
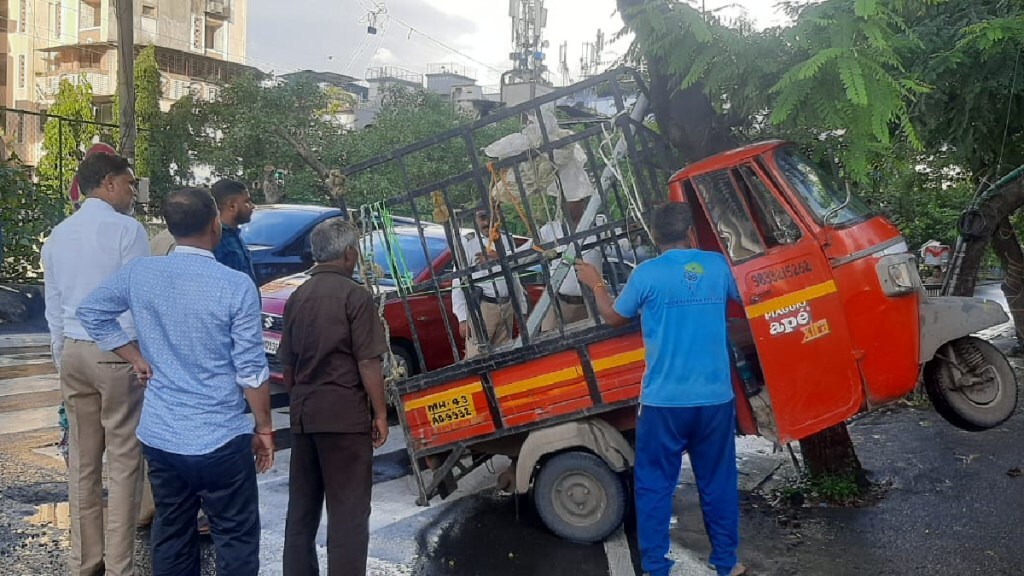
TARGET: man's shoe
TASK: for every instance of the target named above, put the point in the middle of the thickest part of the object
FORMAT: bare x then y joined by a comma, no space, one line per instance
738,570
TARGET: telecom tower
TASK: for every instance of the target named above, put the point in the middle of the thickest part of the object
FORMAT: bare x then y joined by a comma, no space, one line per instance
563,63
526,78
590,61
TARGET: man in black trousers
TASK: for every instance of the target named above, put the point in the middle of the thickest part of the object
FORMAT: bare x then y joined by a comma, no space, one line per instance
331,350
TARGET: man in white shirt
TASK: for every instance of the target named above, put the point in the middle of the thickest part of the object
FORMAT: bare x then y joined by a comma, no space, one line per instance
102,396
492,295
570,297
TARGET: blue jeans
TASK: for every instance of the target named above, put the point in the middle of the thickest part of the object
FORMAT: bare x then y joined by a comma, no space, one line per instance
223,483
708,434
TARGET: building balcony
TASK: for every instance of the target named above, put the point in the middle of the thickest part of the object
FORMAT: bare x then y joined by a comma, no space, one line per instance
103,83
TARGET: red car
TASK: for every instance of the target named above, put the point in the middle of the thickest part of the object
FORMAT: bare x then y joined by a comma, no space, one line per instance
429,311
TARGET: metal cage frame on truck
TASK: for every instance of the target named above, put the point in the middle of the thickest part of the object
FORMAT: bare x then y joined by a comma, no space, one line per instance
609,142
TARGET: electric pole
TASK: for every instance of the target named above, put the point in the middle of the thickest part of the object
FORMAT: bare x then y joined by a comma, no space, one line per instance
126,75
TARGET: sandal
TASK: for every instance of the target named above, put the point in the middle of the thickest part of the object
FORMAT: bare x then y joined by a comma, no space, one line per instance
738,570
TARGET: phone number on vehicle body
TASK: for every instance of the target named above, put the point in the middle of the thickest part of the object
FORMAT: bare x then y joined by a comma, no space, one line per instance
775,275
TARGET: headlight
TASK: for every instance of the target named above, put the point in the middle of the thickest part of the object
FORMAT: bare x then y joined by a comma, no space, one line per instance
900,276
897,274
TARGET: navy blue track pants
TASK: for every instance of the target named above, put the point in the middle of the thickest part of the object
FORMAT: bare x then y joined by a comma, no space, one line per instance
708,434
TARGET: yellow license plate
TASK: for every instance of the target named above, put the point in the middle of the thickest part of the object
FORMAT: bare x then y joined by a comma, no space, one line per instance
445,410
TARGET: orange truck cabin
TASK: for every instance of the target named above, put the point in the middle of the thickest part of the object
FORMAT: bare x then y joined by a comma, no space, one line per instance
834,306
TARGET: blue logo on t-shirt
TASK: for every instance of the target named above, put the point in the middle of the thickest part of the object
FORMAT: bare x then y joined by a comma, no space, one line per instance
693,273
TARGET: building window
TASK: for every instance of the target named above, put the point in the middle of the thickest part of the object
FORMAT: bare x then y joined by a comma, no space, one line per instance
215,31
149,11
91,59
89,14
22,71
104,112
23,16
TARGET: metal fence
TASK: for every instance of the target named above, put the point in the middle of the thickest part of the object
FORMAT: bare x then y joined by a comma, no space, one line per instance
32,203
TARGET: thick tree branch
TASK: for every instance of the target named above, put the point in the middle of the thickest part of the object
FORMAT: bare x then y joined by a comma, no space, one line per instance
304,152
978,227
1007,248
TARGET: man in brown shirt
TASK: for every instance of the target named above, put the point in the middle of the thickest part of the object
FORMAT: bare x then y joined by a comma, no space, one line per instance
331,349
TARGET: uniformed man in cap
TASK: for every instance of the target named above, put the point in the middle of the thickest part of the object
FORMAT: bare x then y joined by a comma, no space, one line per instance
489,289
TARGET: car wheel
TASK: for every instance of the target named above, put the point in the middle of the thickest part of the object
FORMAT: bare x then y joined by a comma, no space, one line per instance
404,359
579,497
971,384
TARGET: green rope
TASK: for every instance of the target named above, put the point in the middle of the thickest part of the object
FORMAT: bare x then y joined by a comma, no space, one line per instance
1009,178
396,256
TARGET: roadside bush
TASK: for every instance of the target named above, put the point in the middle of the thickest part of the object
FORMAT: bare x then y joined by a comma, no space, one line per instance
27,213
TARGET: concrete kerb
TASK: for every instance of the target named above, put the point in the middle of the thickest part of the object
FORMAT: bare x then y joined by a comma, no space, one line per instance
24,340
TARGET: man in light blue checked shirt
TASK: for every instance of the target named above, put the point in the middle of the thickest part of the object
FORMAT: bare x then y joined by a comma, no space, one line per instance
202,358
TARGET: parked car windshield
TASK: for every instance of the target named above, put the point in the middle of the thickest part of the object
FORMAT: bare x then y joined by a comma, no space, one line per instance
274,227
409,261
819,191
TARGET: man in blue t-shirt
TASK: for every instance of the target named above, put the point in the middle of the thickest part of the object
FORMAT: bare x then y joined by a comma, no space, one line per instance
686,402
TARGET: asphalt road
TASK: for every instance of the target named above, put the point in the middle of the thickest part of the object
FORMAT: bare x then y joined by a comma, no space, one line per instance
952,506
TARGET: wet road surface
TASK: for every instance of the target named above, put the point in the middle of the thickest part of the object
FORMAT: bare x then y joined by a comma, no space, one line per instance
953,506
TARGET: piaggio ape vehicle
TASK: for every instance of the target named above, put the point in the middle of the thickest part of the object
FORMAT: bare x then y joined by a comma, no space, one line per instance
834,319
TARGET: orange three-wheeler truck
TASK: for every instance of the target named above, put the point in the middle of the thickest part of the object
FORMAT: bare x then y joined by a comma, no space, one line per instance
834,319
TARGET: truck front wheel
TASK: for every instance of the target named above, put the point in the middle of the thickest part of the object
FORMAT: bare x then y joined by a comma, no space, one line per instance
971,384
579,497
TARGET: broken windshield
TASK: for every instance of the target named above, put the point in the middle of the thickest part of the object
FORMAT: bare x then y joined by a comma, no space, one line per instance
819,191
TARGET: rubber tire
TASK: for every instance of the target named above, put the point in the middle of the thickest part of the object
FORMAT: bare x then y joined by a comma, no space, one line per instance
552,472
403,355
957,408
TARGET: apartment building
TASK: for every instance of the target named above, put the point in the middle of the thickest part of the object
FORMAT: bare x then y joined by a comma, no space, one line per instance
200,44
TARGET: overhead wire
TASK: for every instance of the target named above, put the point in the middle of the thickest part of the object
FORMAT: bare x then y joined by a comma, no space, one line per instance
443,45
380,41
1009,109
362,45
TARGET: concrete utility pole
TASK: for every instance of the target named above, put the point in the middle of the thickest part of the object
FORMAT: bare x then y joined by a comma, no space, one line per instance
126,75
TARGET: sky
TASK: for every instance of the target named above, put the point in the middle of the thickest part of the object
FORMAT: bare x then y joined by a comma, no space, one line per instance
477,34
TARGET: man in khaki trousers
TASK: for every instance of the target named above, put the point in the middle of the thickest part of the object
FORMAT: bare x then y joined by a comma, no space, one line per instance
491,293
101,394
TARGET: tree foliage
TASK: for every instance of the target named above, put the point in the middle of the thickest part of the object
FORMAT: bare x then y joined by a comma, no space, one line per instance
255,123
918,100
173,149
296,128
147,109
970,53
64,141
833,81
407,116
27,214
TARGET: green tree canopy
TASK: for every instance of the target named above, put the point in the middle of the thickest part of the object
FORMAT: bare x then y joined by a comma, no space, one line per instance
65,141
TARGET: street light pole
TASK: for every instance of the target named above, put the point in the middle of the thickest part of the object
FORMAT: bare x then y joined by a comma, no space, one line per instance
126,75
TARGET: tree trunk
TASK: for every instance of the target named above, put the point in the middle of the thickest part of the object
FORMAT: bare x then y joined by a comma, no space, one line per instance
831,453
978,226
1008,250
692,125
685,116
272,192
332,181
